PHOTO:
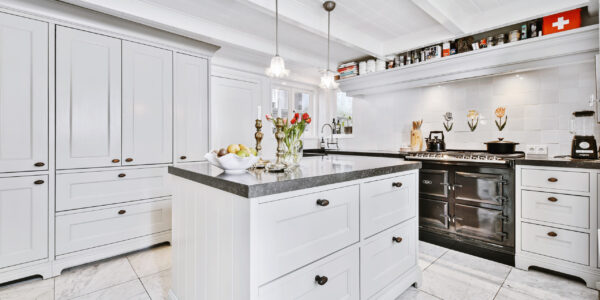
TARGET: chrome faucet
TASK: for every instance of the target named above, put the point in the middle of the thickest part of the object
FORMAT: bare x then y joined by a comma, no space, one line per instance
330,141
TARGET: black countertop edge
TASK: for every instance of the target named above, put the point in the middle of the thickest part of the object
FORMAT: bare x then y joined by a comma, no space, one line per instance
265,189
391,154
560,162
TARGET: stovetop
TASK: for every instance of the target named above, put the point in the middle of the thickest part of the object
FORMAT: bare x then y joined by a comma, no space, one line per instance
465,156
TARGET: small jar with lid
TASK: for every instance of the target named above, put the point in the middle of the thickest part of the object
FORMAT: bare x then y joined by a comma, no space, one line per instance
514,35
500,39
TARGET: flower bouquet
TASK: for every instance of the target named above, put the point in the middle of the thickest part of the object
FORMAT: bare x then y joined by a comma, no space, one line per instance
293,131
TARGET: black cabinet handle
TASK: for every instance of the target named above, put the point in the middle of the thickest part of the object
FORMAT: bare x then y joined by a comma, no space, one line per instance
397,239
116,160
322,202
183,157
122,212
39,164
396,184
129,159
321,280
122,175
38,182
552,179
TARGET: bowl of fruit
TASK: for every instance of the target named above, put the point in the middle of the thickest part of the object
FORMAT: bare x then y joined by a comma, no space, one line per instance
234,159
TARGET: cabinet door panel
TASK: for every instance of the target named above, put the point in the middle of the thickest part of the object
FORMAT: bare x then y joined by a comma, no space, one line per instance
191,108
23,219
23,94
88,99
147,104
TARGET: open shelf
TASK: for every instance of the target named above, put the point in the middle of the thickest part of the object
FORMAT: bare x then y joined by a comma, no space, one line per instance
568,47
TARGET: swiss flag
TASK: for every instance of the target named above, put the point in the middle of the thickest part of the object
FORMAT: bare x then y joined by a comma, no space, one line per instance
562,21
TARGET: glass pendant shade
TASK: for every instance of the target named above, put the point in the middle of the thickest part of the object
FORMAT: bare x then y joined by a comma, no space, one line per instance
277,68
328,80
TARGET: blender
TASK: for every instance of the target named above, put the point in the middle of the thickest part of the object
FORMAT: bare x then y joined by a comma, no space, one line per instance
582,128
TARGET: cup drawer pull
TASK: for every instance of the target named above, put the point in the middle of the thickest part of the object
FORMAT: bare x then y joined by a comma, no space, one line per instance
552,234
183,157
122,175
322,202
122,212
321,280
116,160
397,239
129,159
39,164
38,182
552,179
396,184
552,199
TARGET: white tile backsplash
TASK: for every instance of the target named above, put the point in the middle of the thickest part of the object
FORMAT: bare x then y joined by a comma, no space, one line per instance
539,107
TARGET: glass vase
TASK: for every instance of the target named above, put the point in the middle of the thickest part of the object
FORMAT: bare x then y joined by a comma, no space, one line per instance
293,152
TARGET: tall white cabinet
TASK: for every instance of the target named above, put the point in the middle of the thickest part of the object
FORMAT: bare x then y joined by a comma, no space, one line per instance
23,94
87,132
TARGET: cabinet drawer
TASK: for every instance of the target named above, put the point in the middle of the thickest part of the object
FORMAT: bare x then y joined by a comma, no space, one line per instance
110,225
556,208
297,231
79,190
386,257
342,275
558,243
387,202
556,179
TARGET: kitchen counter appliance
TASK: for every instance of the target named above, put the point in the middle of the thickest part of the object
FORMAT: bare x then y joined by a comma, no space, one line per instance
582,128
466,202
435,142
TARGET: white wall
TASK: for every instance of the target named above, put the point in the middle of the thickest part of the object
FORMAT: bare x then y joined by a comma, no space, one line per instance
539,106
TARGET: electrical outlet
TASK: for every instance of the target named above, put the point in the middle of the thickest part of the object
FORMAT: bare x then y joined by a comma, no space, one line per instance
541,149
530,149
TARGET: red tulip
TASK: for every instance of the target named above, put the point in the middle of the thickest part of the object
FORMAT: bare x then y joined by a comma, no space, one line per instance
296,116
308,121
305,116
293,121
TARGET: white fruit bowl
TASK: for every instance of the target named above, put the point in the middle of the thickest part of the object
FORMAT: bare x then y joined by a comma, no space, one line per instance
231,163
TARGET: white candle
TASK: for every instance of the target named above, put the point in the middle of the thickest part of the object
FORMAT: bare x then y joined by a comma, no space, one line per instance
258,115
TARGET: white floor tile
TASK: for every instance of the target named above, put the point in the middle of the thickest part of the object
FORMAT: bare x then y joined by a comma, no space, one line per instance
132,290
414,294
151,261
428,253
537,285
90,278
462,277
158,285
37,289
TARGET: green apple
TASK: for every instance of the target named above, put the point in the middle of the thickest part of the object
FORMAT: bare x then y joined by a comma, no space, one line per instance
253,151
243,153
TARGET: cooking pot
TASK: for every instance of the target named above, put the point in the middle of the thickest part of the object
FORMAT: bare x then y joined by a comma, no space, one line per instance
435,144
501,147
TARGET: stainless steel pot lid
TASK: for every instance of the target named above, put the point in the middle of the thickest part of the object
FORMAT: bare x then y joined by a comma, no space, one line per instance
501,141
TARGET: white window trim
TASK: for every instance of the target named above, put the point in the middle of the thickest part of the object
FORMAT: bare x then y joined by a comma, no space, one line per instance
313,107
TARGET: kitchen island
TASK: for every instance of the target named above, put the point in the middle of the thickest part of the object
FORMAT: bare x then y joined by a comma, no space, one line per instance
335,227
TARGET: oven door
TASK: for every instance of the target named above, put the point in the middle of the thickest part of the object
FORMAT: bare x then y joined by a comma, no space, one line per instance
433,214
479,189
433,183
480,223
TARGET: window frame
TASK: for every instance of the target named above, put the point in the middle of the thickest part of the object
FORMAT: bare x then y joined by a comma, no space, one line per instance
291,90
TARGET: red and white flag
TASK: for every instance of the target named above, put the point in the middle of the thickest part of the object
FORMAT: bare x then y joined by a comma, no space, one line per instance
562,21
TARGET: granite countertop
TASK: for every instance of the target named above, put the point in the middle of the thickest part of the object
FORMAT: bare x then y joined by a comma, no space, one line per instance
376,153
560,162
312,172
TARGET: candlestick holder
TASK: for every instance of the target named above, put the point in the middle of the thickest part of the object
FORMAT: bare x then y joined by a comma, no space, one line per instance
258,136
279,165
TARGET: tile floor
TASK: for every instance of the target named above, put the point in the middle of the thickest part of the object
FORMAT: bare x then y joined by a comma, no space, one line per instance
447,274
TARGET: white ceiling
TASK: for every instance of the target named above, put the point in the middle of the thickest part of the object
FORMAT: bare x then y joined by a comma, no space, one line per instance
358,27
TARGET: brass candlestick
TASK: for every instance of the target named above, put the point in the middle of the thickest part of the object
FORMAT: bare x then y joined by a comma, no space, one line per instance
279,165
258,136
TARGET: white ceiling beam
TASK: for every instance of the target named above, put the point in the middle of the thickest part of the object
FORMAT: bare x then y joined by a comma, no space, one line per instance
440,15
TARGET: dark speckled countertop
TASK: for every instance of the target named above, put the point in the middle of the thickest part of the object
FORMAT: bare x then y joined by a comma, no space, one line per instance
312,172
560,162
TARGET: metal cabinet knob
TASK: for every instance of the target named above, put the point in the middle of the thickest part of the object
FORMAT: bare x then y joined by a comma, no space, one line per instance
38,182
116,160
122,212
322,202
396,184
39,164
183,157
552,199
397,239
321,280
129,159
552,234
552,179
122,175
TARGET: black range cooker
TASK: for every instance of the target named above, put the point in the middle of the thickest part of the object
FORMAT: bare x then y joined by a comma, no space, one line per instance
467,200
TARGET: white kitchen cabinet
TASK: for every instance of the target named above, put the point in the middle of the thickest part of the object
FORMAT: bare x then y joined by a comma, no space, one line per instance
147,104
23,219
191,108
88,99
23,94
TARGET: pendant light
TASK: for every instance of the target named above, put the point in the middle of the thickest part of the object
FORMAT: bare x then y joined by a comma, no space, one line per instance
328,76
277,68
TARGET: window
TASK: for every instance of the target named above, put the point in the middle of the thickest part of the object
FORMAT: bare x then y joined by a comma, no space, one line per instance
344,112
285,101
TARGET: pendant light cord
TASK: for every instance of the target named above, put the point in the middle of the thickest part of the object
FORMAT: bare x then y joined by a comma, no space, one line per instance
328,34
276,28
